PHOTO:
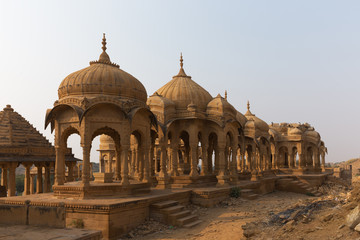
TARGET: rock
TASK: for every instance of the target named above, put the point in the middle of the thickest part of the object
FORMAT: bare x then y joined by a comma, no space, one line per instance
327,217
353,218
357,228
341,226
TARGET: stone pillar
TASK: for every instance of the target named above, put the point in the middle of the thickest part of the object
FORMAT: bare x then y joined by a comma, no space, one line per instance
248,161
156,165
273,161
301,161
110,162
39,182
59,166
163,157
32,179
12,180
27,179
221,175
323,162
152,160
174,158
205,160
86,166
70,166
242,154
117,175
194,160
47,183
233,165
124,165
141,163
137,156
101,164
216,161
147,165
4,176
162,178
132,170
238,161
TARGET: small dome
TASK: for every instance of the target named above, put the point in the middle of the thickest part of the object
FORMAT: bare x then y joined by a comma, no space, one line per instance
219,106
313,134
259,124
241,118
102,78
106,143
294,131
182,90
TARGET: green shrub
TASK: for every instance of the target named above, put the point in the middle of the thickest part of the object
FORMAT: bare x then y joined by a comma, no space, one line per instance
235,192
78,223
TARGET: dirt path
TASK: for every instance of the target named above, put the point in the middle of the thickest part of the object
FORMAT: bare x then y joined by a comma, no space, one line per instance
226,220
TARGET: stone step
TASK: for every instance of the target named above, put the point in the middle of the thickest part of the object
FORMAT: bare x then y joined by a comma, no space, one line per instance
247,190
186,220
192,224
251,196
180,214
164,204
173,209
141,191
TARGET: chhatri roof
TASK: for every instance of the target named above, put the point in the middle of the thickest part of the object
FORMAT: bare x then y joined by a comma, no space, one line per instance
16,131
102,77
183,91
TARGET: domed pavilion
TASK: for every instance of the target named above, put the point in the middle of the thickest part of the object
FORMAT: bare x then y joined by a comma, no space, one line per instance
101,99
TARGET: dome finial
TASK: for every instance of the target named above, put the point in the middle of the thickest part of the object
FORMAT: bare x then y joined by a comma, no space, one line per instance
248,113
104,57
104,43
181,61
225,94
181,72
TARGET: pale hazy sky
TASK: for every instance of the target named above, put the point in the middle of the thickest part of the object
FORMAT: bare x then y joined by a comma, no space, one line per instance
296,61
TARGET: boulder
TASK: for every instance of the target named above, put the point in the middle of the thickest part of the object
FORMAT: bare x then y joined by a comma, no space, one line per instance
353,218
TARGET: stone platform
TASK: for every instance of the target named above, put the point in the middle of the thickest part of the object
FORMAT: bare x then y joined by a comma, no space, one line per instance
97,189
23,232
116,215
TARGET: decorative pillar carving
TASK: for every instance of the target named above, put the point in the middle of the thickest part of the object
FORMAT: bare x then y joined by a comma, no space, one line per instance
242,154
86,165
205,160
39,182
59,166
32,179
47,183
27,179
118,158
147,164
221,175
194,160
4,176
12,180
323,162
124,165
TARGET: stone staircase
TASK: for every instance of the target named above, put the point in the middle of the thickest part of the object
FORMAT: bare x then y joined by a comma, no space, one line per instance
172,213
291,185
248,194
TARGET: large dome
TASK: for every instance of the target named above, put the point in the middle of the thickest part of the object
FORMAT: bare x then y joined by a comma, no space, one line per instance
102,78
182,90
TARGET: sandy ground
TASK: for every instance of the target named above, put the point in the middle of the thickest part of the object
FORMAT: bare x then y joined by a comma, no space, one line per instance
278,215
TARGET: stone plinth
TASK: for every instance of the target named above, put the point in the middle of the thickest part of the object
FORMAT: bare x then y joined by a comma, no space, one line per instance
103,177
